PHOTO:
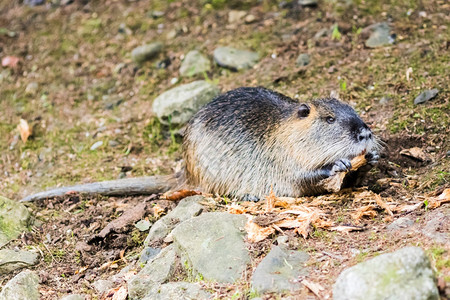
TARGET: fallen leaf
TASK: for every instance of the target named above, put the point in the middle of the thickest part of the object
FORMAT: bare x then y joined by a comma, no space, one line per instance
157,210
407,208
383,204
178,195
24,130
10,61
256,233
236,209
313,287
271,199
364,211
416,153
435,202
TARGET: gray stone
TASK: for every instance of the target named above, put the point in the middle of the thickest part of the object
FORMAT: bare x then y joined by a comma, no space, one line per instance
402,275
96,145
400,223
143,53
154,272
32,88
182,102
23,286
236,16
235,59
438,227
74,297
321,33
14,219
380,36
186,209
425,96
307,2
280,271
303,60
11,260
216,252
385,100
143,225
194,63
148,253
102,285
178,290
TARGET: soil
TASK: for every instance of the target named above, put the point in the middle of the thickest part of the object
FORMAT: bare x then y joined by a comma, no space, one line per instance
89,90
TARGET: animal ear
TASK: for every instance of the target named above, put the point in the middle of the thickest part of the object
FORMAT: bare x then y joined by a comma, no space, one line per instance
303,111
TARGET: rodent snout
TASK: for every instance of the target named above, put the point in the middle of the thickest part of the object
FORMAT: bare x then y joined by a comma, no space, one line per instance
365,134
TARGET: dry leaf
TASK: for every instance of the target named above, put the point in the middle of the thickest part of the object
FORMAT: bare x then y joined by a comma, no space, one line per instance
416,153
435,202
10,61
178,195
383,204
157,210
407,208
364,211
236,209
313,287
24,129
256,233
270,201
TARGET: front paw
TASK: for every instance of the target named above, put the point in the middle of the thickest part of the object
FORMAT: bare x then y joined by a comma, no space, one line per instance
372,157
342,165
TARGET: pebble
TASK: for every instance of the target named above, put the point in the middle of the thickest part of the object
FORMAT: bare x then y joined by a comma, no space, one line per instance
307,2
24,285
385,100
235,16
194,63
31,88
11,260
380,35
400,223
235,59
303,60
426,96
403,274
143,225
96,145
143,53
182,102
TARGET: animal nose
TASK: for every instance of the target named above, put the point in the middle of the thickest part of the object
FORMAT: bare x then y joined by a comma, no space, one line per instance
365,134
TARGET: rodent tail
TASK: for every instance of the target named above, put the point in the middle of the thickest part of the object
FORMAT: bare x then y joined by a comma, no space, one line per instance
120,187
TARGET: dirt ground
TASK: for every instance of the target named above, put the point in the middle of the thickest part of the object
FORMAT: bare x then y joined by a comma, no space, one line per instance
75,84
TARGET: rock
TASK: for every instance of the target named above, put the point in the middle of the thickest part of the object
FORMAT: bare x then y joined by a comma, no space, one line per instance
235,16
74,297
280,271
154,272
143,53
321,33
380,35
385,100
217,252
307,2
194,63
182,102
102,286
14,219
186,209
33,2
404,274
400,223
31,88
425,96
96,145
438,227
178,290
235,59
303,60
23,286
148,253
143,225
250,19
113,143
11,260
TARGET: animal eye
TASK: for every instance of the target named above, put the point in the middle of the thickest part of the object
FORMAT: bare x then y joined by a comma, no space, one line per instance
303,111
330,120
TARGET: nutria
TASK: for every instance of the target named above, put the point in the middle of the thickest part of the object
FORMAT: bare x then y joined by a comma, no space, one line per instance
251,140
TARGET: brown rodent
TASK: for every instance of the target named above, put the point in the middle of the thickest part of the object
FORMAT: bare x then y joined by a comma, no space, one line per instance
251,140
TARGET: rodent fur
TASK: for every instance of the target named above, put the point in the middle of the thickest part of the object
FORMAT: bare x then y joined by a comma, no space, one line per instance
251,140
